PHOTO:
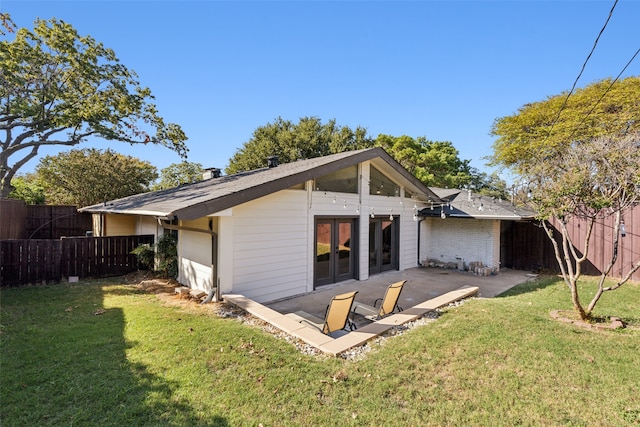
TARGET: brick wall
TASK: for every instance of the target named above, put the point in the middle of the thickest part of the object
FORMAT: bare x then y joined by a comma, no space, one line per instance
473,240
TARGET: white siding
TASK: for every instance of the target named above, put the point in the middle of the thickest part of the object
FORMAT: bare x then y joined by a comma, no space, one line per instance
472,239
195,275
270,246
148,225
195,255
273,240
266,246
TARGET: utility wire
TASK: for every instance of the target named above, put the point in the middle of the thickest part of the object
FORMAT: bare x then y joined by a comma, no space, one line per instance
603,95
564,105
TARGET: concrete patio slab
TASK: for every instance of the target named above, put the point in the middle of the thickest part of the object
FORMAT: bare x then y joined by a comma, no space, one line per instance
426,290
422,284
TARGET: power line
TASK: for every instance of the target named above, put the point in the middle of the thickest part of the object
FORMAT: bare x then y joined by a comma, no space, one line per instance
604,94
564,105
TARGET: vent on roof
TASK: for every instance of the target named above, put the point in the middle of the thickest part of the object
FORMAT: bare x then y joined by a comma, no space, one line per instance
211,173
272,161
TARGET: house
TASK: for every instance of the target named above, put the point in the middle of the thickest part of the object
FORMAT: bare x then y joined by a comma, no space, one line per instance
285,229
473,235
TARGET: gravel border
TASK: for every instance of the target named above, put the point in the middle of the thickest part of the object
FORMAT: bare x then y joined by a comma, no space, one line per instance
355,353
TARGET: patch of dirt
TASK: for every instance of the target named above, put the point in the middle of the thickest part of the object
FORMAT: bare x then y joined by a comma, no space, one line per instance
165,291
568,316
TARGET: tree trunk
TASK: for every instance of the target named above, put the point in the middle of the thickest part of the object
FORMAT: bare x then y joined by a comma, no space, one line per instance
565,256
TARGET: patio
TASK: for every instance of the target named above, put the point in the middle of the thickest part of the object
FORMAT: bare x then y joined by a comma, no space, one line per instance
426,289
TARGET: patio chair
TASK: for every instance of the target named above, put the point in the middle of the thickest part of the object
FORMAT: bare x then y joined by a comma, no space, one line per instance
336,316
388,305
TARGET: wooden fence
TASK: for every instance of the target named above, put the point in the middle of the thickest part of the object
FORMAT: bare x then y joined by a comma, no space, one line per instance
54,222
21,221
13,214
525,246
601,244
44,261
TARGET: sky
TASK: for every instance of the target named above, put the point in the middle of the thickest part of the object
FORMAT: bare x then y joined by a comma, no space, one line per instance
444,70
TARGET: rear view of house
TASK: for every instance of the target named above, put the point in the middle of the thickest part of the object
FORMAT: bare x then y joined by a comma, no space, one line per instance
285,229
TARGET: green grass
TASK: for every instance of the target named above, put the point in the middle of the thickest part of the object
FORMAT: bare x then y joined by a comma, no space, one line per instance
493,362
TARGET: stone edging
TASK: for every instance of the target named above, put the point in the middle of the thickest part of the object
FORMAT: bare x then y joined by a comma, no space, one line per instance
616,322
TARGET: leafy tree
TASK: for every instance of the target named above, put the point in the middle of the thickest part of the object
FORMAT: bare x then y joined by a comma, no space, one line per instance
585,169
435,163
58,88
28,189
544,130
307,139
488,184
6,24
179,173
89,176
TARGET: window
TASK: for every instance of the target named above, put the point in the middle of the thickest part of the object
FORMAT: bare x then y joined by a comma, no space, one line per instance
380,185
342,181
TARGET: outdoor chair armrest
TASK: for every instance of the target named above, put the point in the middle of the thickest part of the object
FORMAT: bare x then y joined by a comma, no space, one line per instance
365,310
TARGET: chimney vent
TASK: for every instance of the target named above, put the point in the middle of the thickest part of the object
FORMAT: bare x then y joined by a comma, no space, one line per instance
272,161
211,173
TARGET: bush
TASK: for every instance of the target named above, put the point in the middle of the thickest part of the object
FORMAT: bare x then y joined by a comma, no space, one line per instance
162,257
146,256
167,253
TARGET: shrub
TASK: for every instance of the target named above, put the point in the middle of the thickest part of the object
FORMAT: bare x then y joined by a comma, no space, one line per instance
162,257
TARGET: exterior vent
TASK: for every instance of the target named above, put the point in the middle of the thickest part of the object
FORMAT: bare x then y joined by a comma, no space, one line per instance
211,173
272,161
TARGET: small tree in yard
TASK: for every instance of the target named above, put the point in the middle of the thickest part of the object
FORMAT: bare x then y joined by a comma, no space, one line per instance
59,88
599,179
583,166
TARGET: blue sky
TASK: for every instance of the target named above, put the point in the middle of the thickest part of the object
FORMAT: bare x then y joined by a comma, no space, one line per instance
443,70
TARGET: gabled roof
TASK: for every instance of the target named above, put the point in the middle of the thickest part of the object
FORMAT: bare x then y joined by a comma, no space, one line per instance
464,204
191,201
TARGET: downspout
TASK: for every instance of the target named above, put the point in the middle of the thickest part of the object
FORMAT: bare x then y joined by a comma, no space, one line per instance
418,251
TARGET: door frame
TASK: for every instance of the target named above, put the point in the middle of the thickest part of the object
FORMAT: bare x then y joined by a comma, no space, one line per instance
394,246
334,275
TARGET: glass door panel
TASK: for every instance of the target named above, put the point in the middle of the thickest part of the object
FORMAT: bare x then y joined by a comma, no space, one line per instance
374,247
383,245
344,261
335,251
387,244
324,254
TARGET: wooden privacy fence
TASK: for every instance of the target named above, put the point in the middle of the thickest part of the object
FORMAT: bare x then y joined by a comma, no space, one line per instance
525,245
42,261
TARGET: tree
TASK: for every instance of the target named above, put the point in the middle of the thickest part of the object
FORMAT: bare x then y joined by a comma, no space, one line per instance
546,129
28,189
58,88
179,173
6,24
586,172
490,185
90,176
435,163
307,139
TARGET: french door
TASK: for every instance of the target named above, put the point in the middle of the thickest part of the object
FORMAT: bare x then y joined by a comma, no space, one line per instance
336,252
383,245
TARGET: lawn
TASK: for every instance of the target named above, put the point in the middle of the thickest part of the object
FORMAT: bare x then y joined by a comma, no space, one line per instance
106,353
